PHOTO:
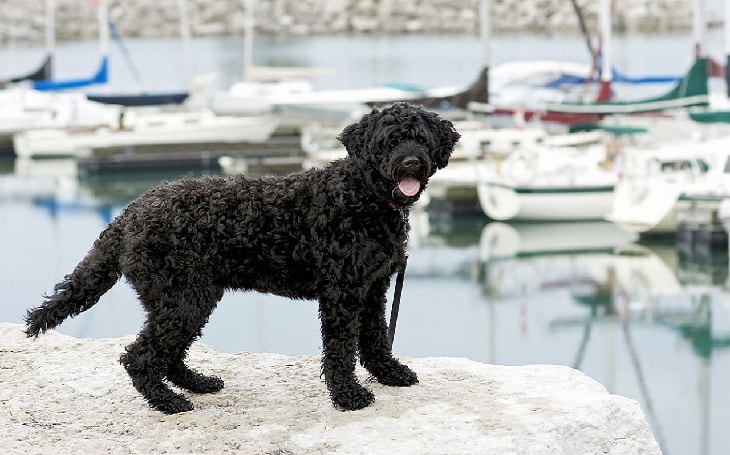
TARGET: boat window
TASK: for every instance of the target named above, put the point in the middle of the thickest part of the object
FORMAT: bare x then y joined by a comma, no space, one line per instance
684,165
669,166
727,165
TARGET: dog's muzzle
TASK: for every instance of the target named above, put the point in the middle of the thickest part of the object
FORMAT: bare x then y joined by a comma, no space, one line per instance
408,184
410,173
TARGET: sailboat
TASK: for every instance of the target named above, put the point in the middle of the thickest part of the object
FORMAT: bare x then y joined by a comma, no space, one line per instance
690,91
43,72
101,75
289,91
539,89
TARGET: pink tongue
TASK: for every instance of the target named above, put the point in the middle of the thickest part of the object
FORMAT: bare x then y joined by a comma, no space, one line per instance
409,186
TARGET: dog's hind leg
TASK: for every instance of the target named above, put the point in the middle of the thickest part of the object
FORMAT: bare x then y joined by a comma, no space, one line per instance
159,351
375,349
180,374
146,364
340,322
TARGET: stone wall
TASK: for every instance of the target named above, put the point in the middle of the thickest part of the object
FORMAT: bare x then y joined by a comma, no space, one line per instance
23,21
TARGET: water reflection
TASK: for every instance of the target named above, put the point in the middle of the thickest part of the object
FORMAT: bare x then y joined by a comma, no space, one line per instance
647,320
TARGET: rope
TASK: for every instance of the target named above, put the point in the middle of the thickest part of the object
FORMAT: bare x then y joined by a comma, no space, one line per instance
127,56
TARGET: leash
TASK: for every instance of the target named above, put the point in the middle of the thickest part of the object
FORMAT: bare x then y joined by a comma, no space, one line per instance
396,300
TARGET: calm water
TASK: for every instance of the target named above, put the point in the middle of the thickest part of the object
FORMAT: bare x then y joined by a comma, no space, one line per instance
644,320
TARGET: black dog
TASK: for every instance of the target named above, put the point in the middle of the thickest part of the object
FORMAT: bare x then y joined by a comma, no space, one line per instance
336,235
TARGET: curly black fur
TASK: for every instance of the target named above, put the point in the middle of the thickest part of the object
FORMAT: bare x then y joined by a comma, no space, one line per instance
336,235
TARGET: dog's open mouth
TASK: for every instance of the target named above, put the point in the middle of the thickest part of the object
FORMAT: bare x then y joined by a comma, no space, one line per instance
409,186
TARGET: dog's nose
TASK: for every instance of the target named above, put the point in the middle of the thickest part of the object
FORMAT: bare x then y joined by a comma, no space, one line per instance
410,161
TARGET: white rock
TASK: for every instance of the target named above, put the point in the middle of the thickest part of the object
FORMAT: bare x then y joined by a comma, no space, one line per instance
64,395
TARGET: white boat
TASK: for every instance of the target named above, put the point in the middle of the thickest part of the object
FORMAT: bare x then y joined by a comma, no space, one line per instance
671,184
477,156
286,89
24,109
480,149
550,184
145,126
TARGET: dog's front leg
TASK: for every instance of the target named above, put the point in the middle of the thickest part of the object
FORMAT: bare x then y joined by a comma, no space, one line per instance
339,316
376,353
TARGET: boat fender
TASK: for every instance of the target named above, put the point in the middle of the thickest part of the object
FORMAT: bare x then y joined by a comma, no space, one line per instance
521,167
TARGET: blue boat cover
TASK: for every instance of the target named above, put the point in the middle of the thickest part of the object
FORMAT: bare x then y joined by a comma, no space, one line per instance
101,77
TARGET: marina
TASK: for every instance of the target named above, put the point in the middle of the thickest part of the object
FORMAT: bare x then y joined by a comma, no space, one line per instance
645,317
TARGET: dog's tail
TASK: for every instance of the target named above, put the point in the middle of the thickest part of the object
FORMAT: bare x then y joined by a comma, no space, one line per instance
83,287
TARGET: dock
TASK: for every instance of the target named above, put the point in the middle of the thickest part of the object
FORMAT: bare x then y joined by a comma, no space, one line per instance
279,154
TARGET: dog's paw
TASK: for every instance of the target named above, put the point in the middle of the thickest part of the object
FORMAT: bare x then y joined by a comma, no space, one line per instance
173,404
195,382
208,384
396,375
352,398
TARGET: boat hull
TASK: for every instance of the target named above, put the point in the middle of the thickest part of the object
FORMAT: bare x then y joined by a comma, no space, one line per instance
691,210
502,203
62,143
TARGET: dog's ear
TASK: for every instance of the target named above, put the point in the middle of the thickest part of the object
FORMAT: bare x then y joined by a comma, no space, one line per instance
447,137
353,135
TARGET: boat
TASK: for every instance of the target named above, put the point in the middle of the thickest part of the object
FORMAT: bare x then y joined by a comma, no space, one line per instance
145,98
41,80
671,184
25,109
481,148
690,92
146,126
475,160
565,94
550,183
101,75
43,72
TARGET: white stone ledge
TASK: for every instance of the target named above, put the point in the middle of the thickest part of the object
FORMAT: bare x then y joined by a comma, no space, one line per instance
65,395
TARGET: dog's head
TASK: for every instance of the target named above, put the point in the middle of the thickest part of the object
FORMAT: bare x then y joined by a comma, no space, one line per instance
400,148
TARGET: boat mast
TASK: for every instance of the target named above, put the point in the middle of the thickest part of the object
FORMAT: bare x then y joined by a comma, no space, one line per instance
248,29
182,6
484,32
727,47
604,17
698,27
103,14
50,35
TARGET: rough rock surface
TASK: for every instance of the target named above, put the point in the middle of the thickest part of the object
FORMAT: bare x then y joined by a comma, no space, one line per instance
65,395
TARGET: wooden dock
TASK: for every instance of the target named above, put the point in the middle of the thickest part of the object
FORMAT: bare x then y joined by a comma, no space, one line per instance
280,153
